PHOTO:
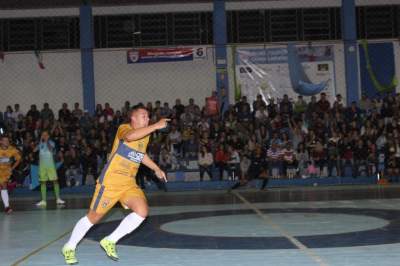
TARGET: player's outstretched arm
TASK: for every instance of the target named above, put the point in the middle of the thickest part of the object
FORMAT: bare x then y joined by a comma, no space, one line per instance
140,133
153,166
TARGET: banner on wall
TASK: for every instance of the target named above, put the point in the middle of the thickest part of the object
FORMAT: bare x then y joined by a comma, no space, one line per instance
291,70
156,55
377,69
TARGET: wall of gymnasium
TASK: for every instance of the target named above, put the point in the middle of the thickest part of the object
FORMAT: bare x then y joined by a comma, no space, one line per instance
116,81
23,82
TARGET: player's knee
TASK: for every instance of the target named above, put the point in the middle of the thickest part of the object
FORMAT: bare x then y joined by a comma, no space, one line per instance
94,218
142,211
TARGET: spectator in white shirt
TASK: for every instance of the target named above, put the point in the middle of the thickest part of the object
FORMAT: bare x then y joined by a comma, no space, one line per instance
233,162
205,161
17,112
175,138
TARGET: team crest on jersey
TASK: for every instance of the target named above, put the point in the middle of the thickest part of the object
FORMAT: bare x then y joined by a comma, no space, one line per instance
105,203
135,156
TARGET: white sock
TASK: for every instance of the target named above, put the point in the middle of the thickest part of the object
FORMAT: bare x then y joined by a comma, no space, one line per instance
4,197
80,230
128,224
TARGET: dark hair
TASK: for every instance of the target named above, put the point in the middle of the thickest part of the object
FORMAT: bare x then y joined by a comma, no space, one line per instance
137,107
134,109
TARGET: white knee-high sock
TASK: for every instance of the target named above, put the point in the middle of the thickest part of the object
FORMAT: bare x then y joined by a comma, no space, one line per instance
128,224
80,230
4,197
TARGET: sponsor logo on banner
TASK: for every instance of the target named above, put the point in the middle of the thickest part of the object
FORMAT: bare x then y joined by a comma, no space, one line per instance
153,55
133,56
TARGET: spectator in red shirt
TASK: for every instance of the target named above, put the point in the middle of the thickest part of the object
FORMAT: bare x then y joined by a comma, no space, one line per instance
108,111
347,156
211,108
221,160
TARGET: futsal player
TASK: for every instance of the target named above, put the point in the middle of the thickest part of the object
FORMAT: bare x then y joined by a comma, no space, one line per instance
47,169
117,183
9,160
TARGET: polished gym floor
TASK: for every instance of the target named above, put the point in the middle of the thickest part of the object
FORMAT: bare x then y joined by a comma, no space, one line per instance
332,225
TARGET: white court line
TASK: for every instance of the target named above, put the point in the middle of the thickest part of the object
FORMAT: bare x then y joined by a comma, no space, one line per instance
292,239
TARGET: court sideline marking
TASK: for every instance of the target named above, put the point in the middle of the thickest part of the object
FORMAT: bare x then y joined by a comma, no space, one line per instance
36,251
291,238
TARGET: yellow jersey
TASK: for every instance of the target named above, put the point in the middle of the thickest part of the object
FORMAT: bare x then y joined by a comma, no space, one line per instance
6,156
125,159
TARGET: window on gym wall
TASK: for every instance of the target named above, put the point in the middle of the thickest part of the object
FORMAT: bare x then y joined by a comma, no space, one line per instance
39,33
160,29
113,31
284,25
378,22
186,28
246,26
194,28
59,33
320,24
2,33
153,29
281,25
21,34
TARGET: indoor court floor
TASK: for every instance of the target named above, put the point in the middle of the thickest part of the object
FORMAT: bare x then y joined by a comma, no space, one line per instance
341,226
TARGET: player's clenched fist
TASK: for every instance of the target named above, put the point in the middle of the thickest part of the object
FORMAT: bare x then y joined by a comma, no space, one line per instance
162,123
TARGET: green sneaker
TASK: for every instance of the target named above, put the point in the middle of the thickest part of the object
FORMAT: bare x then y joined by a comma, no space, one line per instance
109,248
69,255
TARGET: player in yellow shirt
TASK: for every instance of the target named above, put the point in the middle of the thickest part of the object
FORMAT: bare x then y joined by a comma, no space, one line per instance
9,160
117,183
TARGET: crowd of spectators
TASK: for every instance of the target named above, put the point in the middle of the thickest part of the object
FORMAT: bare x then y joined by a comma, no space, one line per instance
278,138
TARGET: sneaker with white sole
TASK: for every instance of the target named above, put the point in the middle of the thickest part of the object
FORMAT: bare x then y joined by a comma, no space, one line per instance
41,203
69,255
60,201
109,248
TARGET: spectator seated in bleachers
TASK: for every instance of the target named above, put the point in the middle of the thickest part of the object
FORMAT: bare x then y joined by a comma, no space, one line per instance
275,160
361,139
72,166
205,162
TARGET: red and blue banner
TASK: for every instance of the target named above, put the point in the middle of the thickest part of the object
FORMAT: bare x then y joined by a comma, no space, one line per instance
152,55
